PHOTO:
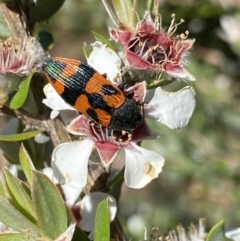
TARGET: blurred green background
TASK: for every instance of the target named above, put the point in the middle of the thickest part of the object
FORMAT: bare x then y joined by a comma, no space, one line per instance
201,175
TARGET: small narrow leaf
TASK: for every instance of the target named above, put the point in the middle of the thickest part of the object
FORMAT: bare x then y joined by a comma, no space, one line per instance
26,163
50,208
86,50
14,237
102,222
159,82
20,198
3,187
21,95
19,137
217,233
12,218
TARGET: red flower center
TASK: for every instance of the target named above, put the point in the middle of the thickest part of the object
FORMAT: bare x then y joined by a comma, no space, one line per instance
155,48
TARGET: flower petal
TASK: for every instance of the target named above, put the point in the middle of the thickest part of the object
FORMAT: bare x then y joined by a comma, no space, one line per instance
41,138
89,206
13,170
69,162
71,194
48,171
139,91
178,72
141,166
79,126
122,35
107,151
110,63
173,109
233,234
53,100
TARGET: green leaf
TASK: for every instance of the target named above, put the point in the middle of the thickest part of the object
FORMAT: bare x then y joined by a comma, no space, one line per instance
30,104
19,196
10,151
11,217
20,136
21,95
3,187
44,9
14,237
217,233
102,222
125,12
87,50
159,82
103,40
26,163
49,205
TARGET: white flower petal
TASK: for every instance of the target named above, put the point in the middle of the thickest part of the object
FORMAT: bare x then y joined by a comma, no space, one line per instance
69,162
71,194
173,109
89,206
233,233
232,34
181,74
68,234
13,170
110,63
141,166
54,113
48,171
53,100
41,138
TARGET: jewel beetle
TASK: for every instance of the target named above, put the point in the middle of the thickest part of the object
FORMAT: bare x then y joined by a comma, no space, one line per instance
92,94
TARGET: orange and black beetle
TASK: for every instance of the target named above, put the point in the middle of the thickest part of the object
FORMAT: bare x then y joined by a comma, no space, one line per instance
92,94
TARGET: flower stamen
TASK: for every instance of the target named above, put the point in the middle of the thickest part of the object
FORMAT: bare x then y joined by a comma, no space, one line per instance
173,26
104,134
158,23
93,125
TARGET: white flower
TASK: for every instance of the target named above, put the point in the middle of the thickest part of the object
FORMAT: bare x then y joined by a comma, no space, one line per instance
230,28
141,165
17,62
173,109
